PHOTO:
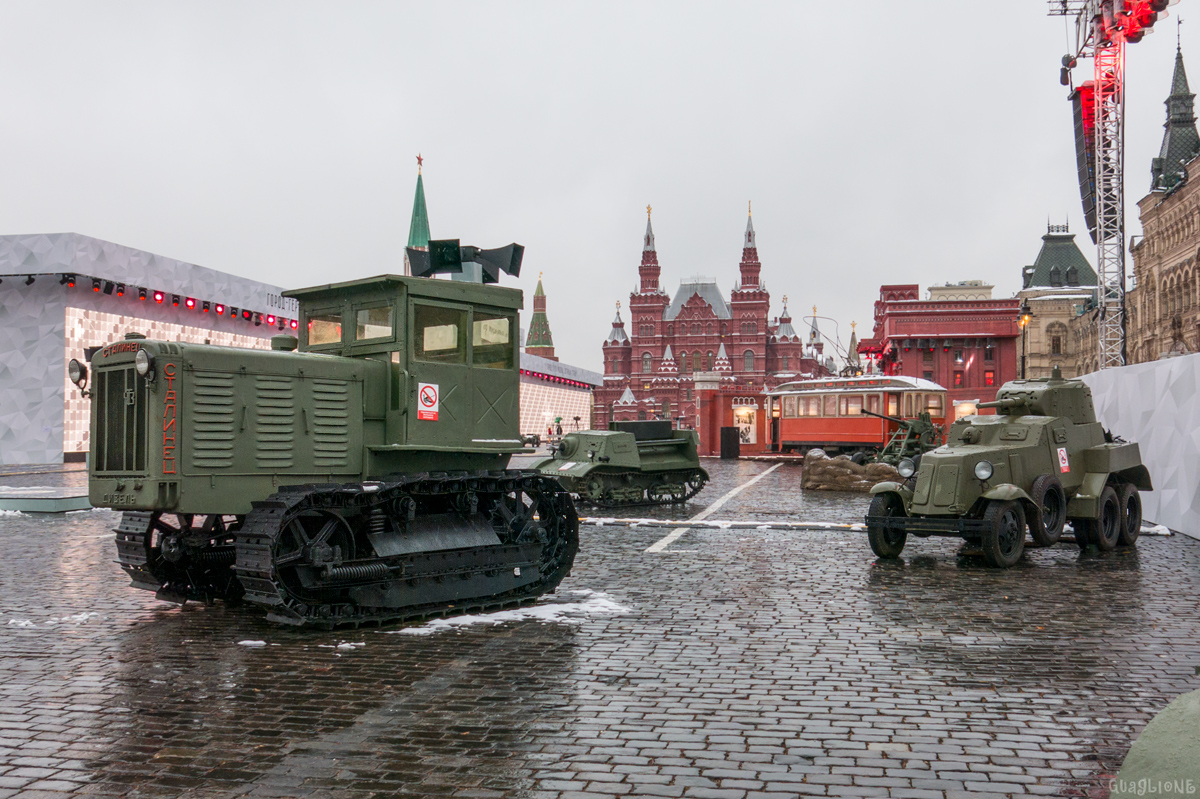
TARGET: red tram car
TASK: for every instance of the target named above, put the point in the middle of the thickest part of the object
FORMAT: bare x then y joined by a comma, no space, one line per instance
828,412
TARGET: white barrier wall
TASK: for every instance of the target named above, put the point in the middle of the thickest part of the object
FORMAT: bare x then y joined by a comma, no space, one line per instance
1157,405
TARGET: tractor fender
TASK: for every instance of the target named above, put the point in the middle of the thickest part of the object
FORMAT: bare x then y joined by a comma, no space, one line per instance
1006,491
891,487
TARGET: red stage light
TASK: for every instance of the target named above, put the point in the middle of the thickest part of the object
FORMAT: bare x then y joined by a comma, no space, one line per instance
270,319
158,296
246,314
191,303
295,324
220,309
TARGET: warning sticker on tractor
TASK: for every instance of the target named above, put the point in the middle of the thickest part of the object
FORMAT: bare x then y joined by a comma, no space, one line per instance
1063,463
427,402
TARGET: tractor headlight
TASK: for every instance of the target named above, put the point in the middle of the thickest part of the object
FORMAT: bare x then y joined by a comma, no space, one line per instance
144,363
77,372
984,470
906,468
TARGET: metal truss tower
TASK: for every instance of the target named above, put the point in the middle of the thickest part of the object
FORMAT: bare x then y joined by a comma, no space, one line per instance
1102,27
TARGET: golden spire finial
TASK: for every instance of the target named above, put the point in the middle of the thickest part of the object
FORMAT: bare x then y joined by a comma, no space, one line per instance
749,208
784,300
618,305
420,161
648,211
814,310
540,277
853,325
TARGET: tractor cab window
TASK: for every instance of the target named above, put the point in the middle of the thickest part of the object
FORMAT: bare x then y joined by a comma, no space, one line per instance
324,328
373,323
439,334
491,341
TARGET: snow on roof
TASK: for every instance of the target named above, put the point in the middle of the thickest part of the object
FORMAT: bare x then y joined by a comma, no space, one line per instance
865,383
708,291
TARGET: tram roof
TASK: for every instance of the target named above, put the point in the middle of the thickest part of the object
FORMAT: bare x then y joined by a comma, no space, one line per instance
863,383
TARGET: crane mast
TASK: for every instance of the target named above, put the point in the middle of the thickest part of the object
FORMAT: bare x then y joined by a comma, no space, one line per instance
1102,28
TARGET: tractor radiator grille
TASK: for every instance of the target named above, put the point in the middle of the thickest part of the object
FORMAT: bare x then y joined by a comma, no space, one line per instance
120,397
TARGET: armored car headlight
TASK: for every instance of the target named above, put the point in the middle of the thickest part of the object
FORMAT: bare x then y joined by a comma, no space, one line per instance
77,372
144,363
906,467
984,470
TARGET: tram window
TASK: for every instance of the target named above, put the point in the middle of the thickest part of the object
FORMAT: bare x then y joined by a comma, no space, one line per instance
810,406
789,407
908,405
850,405
830,404
934,404
873,403
893,405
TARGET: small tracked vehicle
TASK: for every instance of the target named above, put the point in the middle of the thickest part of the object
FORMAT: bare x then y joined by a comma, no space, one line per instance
355,475
1041,461
634,463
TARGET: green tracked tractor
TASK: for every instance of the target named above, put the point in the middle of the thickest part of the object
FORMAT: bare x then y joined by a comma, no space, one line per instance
634,463
355,475
1041,461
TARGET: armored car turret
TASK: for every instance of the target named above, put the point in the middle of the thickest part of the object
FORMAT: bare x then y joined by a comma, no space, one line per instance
1042,460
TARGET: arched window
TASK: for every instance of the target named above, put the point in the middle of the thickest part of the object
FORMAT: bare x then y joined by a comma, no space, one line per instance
683,362
749,358
696,361
646,363
710,328
708,361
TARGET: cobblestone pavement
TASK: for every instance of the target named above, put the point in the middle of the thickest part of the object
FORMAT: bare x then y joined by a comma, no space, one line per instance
745,663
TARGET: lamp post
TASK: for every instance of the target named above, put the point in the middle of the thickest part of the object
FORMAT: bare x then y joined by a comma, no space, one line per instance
1024,319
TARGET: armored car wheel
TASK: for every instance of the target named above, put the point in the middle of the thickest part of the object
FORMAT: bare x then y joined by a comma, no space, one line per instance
885,542
1105,530
1131,514
1004,534
1046,526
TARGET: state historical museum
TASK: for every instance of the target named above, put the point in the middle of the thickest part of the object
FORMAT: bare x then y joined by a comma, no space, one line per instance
699,340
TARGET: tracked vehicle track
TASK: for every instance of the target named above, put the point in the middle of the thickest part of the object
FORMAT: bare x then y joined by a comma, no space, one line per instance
632,488
180,557
406,548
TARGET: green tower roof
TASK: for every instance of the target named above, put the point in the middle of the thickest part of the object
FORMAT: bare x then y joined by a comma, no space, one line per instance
1180,142
539,325
1059,262
418,229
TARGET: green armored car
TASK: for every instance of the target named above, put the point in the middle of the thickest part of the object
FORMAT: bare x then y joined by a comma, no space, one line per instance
634,463
354,475
1042,460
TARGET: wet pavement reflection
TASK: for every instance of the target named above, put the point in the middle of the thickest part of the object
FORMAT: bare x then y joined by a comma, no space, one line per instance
736,663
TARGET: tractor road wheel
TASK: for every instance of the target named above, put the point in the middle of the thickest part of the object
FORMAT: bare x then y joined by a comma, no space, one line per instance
1105,530
1131,514
885,543
1004,533
1047,525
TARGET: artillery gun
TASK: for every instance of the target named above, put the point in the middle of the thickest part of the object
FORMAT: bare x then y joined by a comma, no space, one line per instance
915,437
1042,460
633,463
355,475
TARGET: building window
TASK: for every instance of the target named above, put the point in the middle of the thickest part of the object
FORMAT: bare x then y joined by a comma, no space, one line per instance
1056,345
989,354
710,328
958,356
683,362
708,361
927,356
785,363
989,378
687,394
646,363
958,379
696,361
928,375
641,416
666,409
748,357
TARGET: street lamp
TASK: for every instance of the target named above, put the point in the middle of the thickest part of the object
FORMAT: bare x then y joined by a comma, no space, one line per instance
1026,315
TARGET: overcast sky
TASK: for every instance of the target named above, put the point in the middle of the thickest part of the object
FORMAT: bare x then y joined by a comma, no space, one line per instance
879,142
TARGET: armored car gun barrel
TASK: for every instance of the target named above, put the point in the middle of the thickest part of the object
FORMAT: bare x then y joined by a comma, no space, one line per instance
634,463
1041,461
354,475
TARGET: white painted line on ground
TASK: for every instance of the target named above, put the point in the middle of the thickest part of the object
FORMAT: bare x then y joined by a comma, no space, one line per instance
673,536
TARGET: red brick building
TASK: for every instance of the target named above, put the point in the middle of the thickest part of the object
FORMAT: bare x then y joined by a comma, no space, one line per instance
967,345
698,335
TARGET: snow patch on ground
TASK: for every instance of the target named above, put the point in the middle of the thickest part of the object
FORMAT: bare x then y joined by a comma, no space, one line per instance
77,619
1155,529
592,603
11,513
252,643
